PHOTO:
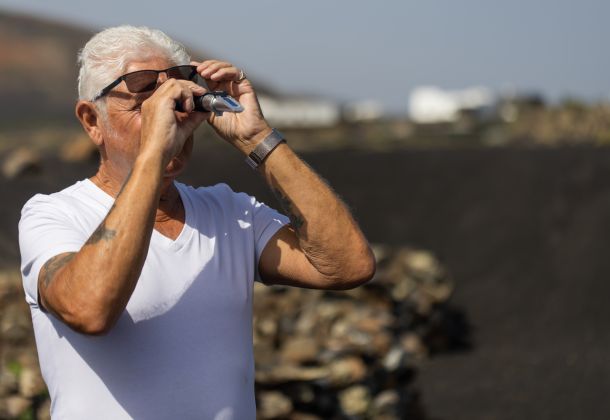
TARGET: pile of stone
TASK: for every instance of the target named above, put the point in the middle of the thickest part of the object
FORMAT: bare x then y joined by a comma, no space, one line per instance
319,354
22,391
353,354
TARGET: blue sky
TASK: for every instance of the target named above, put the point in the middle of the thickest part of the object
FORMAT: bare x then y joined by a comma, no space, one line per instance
356,50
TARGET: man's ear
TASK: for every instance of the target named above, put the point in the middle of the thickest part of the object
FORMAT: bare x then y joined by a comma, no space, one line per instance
89,117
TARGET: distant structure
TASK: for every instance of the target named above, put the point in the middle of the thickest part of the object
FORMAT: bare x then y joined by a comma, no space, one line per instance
363,111
299,112
430,104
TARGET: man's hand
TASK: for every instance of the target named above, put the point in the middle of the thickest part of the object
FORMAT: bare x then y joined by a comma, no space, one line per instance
243,130
164,130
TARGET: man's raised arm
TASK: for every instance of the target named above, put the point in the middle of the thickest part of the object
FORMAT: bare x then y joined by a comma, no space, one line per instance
89,289
324,247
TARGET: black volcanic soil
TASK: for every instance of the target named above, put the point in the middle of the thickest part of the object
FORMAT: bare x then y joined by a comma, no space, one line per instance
525,234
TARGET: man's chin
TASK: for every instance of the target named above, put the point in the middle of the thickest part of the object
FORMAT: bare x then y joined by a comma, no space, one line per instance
177,164
174,168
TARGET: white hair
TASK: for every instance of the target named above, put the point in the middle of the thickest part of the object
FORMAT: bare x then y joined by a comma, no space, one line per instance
106,56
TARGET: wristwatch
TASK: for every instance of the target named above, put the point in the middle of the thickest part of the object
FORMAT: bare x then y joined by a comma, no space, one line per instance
262,150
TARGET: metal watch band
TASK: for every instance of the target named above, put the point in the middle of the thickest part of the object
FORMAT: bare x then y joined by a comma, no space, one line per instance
262,150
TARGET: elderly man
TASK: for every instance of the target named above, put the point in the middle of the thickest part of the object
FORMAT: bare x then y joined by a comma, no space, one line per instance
140,287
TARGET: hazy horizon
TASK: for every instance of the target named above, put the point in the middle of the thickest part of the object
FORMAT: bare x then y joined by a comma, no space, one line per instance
352,51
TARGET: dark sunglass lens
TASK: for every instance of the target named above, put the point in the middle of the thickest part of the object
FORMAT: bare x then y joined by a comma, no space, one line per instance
141,81
182,72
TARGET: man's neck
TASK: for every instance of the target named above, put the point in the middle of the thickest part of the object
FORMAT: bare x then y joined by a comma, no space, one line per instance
170,205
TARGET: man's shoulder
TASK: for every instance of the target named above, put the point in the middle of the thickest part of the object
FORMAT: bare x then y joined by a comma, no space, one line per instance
218,192
64,200
220,198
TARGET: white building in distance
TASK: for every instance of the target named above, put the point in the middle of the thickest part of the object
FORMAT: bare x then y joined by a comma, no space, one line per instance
430,104
299,112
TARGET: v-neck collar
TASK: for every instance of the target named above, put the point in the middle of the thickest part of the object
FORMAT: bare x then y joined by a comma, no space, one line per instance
157,237
187,230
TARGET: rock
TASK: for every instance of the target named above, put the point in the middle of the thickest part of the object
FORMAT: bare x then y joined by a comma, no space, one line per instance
386,404
372,321
28,358
301,393
10,284
381,343
265,353
299,350
381,251
288,373
31,382
15,325
413,345
9,383
14,406
347,371
273,405
416,276
355,400
267,327
21,161
345,337
44,411
395,359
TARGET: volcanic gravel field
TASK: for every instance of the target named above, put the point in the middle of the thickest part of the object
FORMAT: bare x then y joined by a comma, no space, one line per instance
524,233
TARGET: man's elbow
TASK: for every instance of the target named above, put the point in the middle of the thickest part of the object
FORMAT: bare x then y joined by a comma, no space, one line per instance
365,272
88,322
94,327
357,273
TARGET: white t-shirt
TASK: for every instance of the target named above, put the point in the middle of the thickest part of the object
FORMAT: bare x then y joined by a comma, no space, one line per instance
182,349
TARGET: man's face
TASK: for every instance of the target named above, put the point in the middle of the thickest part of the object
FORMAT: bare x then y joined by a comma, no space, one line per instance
122,126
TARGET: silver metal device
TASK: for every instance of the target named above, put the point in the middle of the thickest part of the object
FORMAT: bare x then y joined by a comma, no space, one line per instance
217,102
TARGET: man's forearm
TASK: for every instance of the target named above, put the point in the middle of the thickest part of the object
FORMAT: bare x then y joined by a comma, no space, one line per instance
327,233
93,288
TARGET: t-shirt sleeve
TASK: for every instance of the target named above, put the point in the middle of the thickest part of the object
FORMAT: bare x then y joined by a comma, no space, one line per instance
266,221
45,230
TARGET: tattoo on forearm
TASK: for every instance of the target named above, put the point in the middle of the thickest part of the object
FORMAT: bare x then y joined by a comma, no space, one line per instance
50,268
102,232
53,265
296,219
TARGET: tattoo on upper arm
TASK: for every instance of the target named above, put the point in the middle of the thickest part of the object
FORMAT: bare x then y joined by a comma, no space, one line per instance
296,219
50,268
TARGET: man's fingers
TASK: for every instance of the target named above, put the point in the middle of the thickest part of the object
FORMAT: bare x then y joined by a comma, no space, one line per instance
208,70
180,91
219,71
226,73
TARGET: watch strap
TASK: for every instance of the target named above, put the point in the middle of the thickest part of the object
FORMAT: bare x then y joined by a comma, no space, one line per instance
262,150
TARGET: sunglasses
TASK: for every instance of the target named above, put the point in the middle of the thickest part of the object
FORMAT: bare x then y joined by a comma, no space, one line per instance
146,80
